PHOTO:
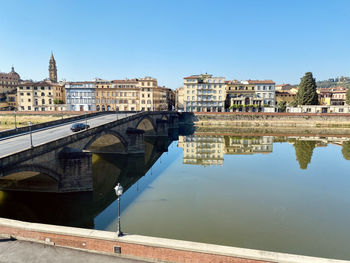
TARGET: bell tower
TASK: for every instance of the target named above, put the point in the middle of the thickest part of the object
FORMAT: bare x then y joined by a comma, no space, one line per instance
52,69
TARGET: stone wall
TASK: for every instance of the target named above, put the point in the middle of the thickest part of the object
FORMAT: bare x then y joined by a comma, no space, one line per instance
143,247
272,119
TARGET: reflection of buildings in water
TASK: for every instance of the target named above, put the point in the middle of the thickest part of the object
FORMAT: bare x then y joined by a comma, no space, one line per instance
202,149
320,140
248,145
210,149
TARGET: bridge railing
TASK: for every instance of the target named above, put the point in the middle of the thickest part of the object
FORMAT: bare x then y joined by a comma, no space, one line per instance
25,129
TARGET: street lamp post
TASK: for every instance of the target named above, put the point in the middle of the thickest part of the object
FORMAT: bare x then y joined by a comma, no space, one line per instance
85,120
15,120
30,132
119,191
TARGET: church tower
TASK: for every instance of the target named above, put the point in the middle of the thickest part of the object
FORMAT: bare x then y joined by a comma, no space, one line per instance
52,69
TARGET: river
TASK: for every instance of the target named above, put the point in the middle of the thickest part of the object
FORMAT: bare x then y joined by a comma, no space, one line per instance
278,193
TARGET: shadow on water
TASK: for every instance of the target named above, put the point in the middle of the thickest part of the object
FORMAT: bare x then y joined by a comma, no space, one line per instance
80,209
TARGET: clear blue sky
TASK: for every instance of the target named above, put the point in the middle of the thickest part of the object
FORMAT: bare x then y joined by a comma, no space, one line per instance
251,39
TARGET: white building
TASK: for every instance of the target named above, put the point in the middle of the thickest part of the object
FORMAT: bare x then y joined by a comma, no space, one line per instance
265,89
319,109
204,93
80,96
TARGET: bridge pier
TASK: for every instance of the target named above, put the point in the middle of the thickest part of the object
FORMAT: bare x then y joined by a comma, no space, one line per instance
136,140
162,127
174,122
76,171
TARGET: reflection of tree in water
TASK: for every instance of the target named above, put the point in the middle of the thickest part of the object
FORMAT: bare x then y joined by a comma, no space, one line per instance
346,150
303,152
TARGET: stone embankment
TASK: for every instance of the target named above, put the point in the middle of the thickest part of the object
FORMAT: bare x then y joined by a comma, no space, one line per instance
142,247
271,119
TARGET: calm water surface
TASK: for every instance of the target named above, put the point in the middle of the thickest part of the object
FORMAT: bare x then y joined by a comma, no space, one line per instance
286,194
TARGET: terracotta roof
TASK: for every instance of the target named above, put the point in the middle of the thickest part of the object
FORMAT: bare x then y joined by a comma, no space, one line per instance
192,77
233,82
124,81
260,82
338,89
32,83
284,93
80,82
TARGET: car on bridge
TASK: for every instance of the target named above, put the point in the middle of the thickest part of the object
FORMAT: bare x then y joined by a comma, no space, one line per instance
79,126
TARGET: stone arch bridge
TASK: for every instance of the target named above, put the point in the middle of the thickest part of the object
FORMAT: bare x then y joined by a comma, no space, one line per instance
64,165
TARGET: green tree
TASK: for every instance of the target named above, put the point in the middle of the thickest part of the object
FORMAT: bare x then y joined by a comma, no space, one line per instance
346,150
348,96
307,94
58,101
282,105
303,152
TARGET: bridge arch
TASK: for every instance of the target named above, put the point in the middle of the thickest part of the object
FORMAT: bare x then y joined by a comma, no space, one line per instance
33,168
107,141
146,124
30,177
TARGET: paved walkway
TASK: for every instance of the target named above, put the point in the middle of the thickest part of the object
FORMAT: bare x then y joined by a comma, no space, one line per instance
17,251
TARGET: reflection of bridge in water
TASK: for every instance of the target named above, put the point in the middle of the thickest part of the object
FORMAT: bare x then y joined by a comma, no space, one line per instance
80,209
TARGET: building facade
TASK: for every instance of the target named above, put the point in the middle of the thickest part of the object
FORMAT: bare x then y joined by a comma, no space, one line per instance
80,96
142,94
332,96
265,89
179,98
35,96
117,95
8,82
204,93
202,149
241,96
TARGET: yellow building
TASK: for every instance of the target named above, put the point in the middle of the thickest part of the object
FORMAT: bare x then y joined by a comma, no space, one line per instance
248,145
241,96
120,95
286,96
179,98
35,96
59,94
142,94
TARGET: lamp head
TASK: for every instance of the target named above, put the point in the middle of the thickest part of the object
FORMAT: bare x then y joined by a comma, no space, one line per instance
118,190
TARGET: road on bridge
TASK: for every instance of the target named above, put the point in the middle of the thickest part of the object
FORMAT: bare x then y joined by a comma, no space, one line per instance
22,142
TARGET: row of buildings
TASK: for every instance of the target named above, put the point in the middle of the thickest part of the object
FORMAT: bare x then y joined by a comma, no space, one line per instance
334,96
138,94
205,93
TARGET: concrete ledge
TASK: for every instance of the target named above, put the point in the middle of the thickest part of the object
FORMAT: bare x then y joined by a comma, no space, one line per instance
146,247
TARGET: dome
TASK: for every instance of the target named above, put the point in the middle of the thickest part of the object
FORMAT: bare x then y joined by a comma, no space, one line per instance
13,72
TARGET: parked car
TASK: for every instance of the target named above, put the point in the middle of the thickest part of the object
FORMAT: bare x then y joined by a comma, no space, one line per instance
79,126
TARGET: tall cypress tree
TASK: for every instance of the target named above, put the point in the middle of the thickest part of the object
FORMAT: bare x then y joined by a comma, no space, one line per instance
348,96
307,94
303,152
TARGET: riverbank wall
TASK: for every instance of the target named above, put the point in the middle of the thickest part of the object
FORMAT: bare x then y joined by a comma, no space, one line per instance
250,119
143,247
